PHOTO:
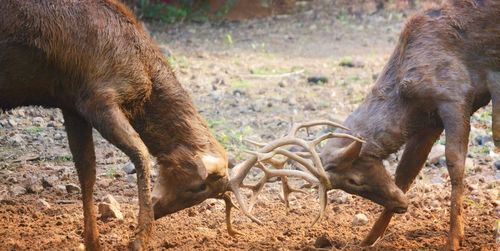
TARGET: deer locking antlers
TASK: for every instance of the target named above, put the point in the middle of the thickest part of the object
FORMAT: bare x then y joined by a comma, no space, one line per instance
266,159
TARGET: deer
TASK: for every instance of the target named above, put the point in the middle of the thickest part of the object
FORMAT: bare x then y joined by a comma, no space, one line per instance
444,68
94,61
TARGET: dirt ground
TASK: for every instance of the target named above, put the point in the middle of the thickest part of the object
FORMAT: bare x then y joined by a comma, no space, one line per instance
250,80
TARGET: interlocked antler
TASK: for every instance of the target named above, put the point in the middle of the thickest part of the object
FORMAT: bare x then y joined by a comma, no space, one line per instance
311,172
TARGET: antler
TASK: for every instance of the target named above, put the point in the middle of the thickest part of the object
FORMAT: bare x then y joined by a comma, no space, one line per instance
312,172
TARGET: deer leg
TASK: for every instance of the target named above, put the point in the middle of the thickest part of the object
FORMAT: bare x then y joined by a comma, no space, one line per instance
111,122
494,88
414,156
82,148
457,126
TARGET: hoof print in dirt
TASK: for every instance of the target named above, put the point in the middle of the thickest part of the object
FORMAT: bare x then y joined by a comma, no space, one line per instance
109,208
323,242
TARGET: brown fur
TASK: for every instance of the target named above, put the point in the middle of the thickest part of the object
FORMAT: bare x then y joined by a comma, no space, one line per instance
93,60
438,75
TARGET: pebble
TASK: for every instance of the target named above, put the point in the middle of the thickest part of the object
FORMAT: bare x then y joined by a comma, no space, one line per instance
72,188
436,153
12,122
16,140
110,208
17,190
49,181
129,168
360,220
496,164
38,121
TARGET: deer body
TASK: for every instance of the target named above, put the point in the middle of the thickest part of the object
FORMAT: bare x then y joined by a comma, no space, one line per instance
93,60
442,70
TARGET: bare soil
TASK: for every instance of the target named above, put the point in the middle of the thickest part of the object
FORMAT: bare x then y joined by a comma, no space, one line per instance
250,80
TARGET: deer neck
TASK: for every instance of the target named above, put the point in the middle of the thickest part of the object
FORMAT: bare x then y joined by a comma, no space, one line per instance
381,121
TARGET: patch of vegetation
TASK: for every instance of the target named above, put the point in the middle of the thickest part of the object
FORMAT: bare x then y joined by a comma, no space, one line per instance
229,137
239,84
192,10
111,172
63,158
266,70
35,130
346,62
177,62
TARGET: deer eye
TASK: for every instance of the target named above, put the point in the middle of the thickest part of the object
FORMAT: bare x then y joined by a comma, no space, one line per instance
352,182
330,167
200,188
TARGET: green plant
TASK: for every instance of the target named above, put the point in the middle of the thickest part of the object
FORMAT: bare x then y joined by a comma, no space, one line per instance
110,172
163,12
34,130
239,84
230,138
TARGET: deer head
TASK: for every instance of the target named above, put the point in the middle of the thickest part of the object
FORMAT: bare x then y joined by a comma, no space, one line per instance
350,170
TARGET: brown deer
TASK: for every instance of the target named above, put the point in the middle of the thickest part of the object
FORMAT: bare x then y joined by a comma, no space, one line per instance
441,71
93,60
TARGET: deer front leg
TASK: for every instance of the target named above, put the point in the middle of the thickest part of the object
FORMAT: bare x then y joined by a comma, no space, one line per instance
414,156
111,122
494,88
82,148
456,123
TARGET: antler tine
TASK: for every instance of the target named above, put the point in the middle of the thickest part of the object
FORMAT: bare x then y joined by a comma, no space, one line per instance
299,126
255,143
311,171
335,135
229,205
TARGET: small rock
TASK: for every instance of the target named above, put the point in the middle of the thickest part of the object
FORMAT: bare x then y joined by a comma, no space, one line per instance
323,242
34,188
110,208
12,180
12,122
38,121
496,164
33,185
129,168
16,140
17,190
58,136
360,220
437,152
239,93
49,181
43,203
72,188
483,139
317,80
60,189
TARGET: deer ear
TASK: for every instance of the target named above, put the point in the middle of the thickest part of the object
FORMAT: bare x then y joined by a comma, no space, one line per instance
350,152
214,165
